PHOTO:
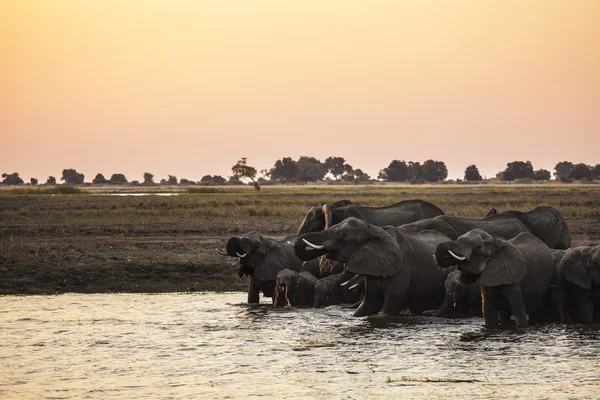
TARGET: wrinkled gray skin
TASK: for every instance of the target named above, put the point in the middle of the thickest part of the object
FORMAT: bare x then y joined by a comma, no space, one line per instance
556,296
501,226
545,222
579,277
396,214
297,288
461,298
399,269
514,275
329,290
261,258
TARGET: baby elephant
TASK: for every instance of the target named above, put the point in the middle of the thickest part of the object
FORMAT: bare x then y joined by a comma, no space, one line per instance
462,298
331,290
294,289
514,274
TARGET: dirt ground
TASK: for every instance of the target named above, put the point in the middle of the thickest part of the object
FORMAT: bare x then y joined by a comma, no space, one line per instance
90,245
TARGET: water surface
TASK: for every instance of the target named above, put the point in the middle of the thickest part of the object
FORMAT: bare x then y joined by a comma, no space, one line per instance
212,346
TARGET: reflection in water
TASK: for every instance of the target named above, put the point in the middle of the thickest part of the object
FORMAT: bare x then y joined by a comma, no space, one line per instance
211,345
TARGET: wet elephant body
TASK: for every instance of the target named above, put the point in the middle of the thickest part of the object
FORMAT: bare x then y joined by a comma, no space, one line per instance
261,258
294,289
399,269
514,274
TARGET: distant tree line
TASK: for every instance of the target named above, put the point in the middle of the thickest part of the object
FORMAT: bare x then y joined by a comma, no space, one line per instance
311,169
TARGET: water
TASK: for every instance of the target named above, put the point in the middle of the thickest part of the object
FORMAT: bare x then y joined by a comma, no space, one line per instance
212,346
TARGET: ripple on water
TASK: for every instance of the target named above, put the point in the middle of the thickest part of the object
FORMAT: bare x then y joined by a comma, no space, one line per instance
211,345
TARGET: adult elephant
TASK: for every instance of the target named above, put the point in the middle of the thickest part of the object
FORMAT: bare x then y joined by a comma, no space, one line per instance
502,226
261,258
294,289
545,222
579,276
399,269
321,218
514,275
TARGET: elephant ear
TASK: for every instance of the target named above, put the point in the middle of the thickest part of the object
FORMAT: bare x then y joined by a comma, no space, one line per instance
273,259
506,266
573,268
379,256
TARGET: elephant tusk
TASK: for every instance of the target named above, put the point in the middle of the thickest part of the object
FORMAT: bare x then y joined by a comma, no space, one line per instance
241,255
459,258
354,286
221,252
314,246
344,283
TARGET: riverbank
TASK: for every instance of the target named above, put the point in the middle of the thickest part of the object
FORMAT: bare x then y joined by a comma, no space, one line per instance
137,242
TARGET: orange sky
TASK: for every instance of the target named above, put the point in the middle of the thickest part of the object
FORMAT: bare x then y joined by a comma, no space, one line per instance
188,87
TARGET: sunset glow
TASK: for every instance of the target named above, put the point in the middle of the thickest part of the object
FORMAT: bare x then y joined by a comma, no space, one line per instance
188,87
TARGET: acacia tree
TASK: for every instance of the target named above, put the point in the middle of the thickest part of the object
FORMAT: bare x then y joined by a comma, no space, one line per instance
472,173
563,170
242,170
518,170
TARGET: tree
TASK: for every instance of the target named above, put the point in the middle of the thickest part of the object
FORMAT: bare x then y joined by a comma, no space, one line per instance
581,171
51,180
310,169
172,180
415,172
235,180
472,173
284,170
397,171
212,180
434,171
12,179
184,181
518,170
33,181
356,176
118,179
541,175
242,170
596,172
337,166
563,170
148,178
99,179
72,177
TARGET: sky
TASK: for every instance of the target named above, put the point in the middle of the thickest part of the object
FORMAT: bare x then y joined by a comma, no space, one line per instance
188,87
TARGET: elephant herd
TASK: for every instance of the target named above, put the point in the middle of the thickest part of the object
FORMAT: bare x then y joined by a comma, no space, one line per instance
410,256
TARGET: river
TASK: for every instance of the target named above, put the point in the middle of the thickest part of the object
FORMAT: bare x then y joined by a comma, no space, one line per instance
211,345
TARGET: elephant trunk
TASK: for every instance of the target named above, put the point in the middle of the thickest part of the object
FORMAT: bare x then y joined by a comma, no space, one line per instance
235,248
311,245
451,253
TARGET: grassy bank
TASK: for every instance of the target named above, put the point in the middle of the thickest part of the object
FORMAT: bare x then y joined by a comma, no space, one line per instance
89,242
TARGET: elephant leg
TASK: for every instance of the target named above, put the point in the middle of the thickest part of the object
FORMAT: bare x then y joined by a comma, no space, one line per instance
557,297
490,311
585,304
253,292
373,300
394,303
517,304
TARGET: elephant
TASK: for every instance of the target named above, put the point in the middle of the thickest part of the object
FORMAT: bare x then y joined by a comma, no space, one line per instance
321,218
331,290
545,222
579,279
294,289
261,258
514,274
399,270
462,297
